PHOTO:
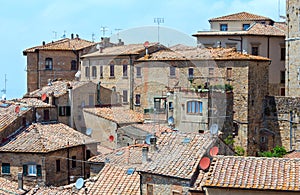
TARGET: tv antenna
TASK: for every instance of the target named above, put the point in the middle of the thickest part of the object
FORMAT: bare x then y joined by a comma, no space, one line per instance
5,81
103,29
158,21
54,34
64,35
118,31
93,37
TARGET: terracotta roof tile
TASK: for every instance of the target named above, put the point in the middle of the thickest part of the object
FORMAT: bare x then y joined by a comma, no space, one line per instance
201,54
58,88
33,102
294,154
241,16
116,114
63,44
45,138
254,173
8,187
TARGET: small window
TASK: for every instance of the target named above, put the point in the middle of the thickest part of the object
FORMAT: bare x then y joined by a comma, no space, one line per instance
229,73
48,64
112,70
87,72
211,71
138,99
282,53
64,111
138,71
125,96
172,71
46,115
125,71
262,139
194,107
191,73
254,50
73,65
94,72
246,26
32,171
57,165
282,77
101,72
223,27
73,161
5,168
150,189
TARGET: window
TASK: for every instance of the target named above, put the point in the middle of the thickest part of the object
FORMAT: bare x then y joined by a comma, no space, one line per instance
229,73
150,189
223,27
73,161
46,115
125,74
160,104
171,106
101,72
191,73
88,154
94,72
5,168
211,71
138,99
194,107
32,170
125,96
87,72
282,76
172,71
262,139
246,26
57,165
73,65
48,64
138,71
254,50
282,53
64,111
282,91
112,70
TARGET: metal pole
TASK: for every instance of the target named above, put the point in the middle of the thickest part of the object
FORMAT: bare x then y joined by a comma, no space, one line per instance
291,130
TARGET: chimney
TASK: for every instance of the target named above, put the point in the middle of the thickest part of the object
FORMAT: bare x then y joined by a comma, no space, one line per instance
72,36
145,154
153,143
44,43
20,181
77,36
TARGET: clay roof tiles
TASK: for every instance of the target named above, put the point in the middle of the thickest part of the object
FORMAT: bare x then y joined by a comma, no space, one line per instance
63,44
33,102
254,173
241,16
8,187
116,114
43,138
294,154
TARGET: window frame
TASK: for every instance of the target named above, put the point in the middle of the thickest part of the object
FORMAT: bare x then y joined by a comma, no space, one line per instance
112,70
191,73
138,71
94,71
223,27
31,168
125,70
48,63
4,167
194,107
138,99
255,50
246,25
87,71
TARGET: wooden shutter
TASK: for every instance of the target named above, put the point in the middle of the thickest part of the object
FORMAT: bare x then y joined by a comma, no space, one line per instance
39,170
24,170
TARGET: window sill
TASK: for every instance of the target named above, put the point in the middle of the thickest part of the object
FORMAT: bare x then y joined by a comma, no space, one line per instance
137,105
125,103
138,76
112,77
173,76
198,114
101,77
6,174
125,77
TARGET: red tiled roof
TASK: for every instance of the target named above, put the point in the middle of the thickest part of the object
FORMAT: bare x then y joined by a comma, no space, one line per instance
116,114
201,54
254,173
33,102
294,154
8,187
241,16
45,138
58,88
63,44
113,180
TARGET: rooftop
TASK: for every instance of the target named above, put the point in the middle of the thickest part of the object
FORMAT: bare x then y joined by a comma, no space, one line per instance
293,154
62,44
8,187
58,88
241,16
116,114
254,173
43,138
33,102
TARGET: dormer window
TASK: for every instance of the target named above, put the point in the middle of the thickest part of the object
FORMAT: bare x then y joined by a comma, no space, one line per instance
246,26
223,27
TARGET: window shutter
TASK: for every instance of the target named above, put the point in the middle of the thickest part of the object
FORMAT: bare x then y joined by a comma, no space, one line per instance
59,111
24,170
39,170
68,111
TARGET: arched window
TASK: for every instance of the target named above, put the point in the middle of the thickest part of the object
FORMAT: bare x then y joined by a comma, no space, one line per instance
94,72
48,63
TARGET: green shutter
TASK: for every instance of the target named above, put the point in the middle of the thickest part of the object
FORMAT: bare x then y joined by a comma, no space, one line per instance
39,170
60,111
68,111
24,170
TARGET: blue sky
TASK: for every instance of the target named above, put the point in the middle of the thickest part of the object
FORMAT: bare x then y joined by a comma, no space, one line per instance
24,24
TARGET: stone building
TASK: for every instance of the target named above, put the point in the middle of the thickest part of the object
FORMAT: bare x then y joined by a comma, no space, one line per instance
209,69
57,59
46,154
292,44
252,34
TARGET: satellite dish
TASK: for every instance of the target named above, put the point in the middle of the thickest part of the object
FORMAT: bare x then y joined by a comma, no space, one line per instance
171,120
148,138
79,183
214,151
17,109
111,138
88,131
204,163
78,73
214,129
44,97
146,44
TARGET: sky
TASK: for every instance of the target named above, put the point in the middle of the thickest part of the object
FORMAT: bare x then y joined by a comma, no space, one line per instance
24,24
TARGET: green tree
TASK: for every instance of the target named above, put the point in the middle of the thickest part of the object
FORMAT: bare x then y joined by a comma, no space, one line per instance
278,151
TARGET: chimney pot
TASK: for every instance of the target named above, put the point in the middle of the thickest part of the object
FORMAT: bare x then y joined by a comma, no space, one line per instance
44,43
72,36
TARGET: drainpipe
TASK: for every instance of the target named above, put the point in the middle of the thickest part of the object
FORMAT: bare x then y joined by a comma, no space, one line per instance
291,130
83,162
68,163
38,69
131,81
71,122
268,48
